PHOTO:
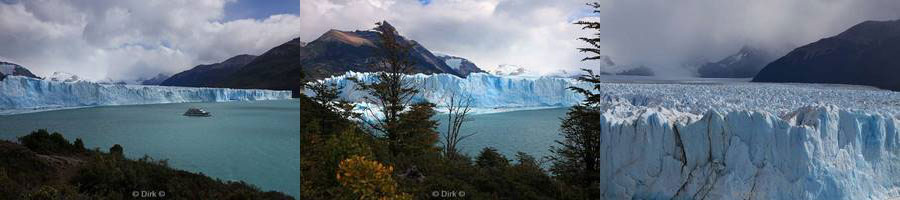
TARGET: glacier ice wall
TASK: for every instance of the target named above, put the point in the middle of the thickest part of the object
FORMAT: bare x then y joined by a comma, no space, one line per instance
486,91
693,96
23,94
815,152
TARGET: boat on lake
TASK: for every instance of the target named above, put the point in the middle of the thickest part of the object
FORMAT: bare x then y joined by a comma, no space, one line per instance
196,112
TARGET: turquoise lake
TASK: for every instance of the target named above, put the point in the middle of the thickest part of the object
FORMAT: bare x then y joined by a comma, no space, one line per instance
529,131
257,142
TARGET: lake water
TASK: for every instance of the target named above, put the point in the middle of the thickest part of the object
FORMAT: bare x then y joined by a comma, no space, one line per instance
257,142
529,131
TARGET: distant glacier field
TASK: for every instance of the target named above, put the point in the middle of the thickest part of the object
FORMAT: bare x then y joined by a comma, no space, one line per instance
701,139
22,94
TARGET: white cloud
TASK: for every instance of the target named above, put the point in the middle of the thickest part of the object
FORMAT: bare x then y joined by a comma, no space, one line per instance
129,39
532,33
538,34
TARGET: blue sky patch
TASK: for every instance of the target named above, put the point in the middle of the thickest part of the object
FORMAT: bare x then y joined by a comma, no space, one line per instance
260,9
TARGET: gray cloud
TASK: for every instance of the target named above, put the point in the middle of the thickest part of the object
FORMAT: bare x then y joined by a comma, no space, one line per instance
670,34
663,34
129,39
126,39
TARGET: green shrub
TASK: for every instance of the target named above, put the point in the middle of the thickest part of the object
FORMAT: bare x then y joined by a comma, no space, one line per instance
43,193
42,141
116,150
490,158
79,145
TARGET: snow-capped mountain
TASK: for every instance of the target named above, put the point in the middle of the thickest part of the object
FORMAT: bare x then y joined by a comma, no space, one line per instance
156,80
63,77
23,94
743,64
12,69
508,70
461,65
562,73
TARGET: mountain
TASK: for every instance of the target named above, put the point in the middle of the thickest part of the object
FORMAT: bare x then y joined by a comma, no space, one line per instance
638,71
333,53
12,69
508,70
562,73
157,80
866,54
64,77
460,65
208,75
743,64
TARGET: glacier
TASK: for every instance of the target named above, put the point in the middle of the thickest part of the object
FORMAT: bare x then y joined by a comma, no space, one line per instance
486,91
694,96
701,139
815,152
23,94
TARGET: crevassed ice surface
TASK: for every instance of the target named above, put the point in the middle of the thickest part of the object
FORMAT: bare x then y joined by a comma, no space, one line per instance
486,91
22,94
705,140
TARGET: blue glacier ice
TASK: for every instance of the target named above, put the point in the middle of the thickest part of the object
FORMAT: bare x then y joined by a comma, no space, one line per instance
486,91
815,152
22,94
698,139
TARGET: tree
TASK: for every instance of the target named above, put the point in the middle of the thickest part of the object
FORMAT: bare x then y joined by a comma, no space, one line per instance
328,95
116,150
577,159
79,145
457,114
416,137
368,179
392,92
594,41
490,158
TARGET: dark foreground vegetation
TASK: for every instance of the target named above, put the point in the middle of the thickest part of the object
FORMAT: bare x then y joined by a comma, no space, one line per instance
397,155
47,166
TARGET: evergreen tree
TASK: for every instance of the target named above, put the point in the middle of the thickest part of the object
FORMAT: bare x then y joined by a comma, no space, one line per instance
79,145
392,92
594,41
576,161
577,158
116,150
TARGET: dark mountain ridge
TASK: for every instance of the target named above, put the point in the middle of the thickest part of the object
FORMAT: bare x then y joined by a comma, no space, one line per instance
210,74
333,53
866,54
12,69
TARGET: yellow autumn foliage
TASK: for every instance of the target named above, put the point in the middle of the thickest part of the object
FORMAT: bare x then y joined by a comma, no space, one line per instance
369,180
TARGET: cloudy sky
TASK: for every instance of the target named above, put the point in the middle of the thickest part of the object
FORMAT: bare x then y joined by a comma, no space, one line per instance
128,39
